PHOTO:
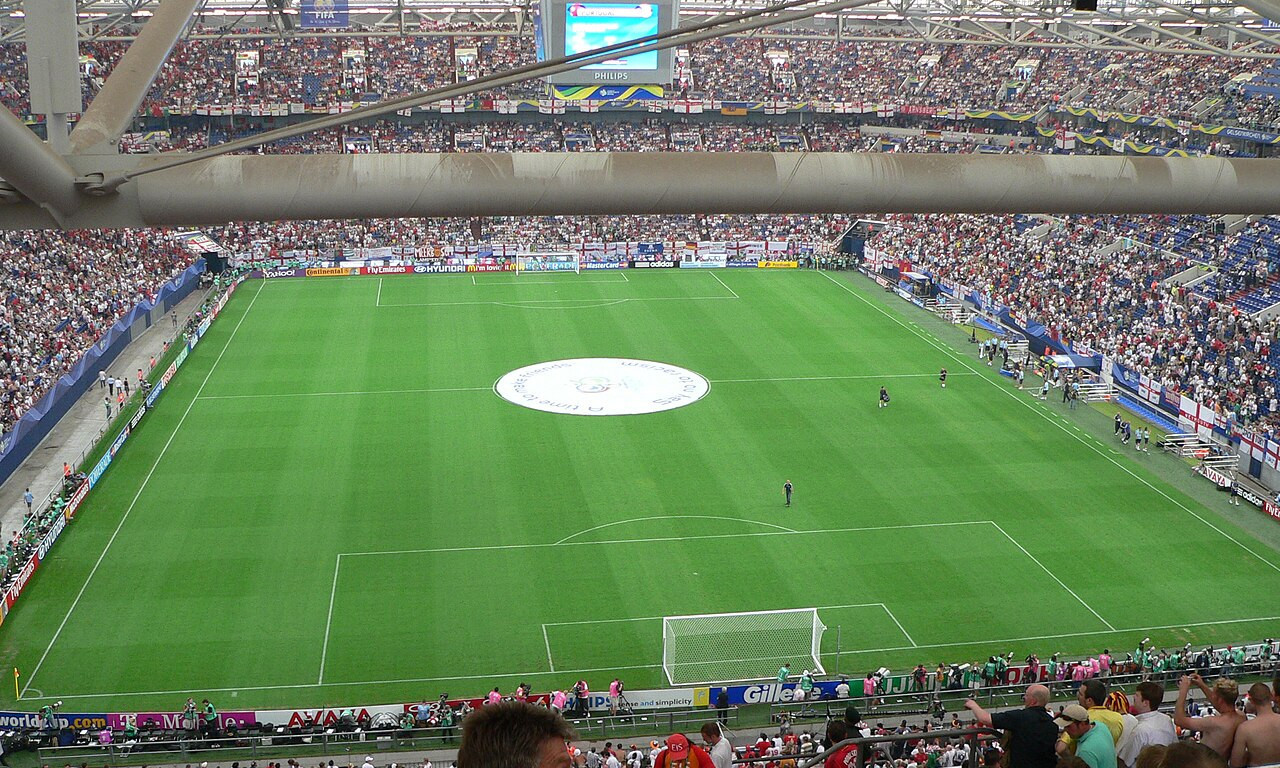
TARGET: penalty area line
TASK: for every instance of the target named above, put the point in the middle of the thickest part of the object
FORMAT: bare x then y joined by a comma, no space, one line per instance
515,675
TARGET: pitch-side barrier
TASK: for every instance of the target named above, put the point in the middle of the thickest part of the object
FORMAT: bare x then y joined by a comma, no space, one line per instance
949,699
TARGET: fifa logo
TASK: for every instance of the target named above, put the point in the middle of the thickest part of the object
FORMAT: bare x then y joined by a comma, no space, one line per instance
325,9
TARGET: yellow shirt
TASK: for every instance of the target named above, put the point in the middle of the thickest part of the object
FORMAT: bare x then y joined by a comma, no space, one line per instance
1114,721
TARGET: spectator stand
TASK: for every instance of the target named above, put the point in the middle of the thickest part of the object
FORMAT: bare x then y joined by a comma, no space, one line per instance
155,744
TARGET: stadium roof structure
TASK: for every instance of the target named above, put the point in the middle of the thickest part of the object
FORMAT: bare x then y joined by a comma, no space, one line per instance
78,179
1243,29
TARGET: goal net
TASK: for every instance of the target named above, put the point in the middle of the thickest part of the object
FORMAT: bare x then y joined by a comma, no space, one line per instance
548,261
720,647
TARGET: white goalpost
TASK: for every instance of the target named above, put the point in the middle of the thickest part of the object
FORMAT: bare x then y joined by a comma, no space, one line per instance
548,261
722,647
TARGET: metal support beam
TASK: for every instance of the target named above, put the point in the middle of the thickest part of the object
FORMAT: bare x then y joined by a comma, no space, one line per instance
113,110
282,187
35,170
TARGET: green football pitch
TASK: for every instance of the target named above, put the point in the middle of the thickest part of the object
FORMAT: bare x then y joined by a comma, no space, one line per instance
331,504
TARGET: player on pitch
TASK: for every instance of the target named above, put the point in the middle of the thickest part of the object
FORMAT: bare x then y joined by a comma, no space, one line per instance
942,376
786,490
884,397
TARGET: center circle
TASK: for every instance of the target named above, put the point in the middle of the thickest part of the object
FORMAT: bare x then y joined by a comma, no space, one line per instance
602,386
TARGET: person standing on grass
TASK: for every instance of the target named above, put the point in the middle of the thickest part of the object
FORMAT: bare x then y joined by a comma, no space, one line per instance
786,490
942,376
884,397
208,719
1117,422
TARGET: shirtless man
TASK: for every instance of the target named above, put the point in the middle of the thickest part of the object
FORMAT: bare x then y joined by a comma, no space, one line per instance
1258,740
1217,732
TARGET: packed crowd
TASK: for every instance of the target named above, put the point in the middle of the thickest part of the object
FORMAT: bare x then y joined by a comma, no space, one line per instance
62,291
1097,281
326,71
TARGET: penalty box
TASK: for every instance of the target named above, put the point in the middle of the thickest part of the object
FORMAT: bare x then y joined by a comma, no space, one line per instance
595,606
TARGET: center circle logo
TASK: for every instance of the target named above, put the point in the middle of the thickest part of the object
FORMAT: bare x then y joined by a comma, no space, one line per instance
602,386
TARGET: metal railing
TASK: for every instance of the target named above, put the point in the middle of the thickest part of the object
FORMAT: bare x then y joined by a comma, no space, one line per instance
867,744
935,701
254,742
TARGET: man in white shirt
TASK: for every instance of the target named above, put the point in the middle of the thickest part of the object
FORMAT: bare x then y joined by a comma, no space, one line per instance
1154,727
719,747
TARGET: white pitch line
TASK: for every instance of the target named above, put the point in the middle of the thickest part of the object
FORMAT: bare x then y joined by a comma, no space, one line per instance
675,517
1002,641
488,284
339,394
901,628
547,641
726,287
1061,583
435,390
657,540
656,618
934,342
378,301
854,377
328,622
141,488
520,303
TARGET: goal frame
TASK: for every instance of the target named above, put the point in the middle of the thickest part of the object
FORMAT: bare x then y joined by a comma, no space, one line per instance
566,256
814,653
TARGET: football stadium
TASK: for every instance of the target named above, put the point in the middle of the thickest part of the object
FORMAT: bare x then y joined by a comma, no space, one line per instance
840,382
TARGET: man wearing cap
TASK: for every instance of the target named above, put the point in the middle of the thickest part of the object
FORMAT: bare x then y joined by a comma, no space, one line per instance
1031,729
680,752
1092,696
1093,741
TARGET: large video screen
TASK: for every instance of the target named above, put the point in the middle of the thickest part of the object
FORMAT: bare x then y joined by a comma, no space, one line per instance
576,27
588,26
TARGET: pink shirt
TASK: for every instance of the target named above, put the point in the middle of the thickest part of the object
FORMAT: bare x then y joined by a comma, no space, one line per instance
494,697
1104,662
613,688
1080,673
868,686
557,699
